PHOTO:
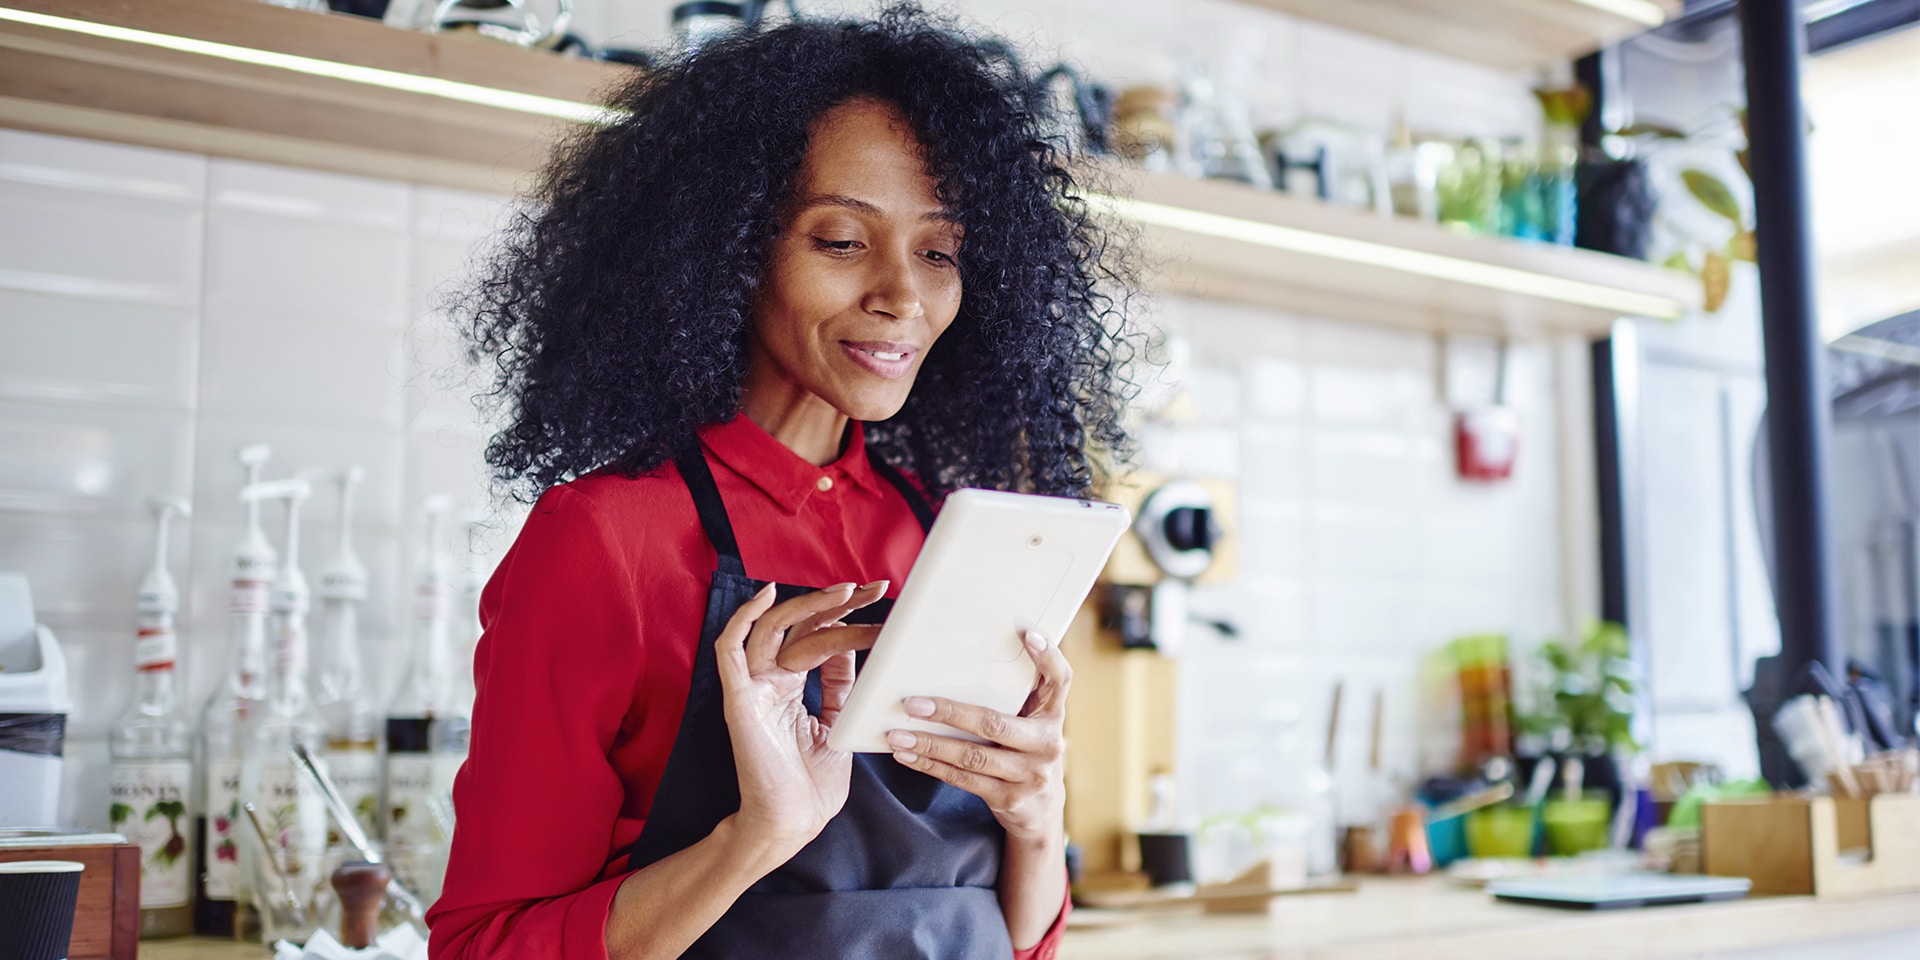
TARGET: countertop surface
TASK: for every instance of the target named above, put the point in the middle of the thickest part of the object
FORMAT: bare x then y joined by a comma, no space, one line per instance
1391,919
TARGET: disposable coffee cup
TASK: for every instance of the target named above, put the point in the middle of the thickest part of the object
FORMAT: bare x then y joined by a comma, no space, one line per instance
37,899
1166,858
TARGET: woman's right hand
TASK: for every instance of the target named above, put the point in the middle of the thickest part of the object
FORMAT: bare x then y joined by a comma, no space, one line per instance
791,782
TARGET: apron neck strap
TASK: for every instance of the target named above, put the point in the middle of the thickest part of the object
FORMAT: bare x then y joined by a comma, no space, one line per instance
692,463
916,500
712,510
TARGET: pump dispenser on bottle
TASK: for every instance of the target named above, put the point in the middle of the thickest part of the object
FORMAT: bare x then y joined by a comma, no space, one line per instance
292,810
151,743
427,723
342,693
218,884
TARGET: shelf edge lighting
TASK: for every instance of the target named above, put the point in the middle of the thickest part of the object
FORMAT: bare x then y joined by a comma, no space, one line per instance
1418,262
1639,11
352,73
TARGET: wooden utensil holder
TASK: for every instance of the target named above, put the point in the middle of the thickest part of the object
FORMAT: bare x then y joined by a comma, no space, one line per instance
1808,845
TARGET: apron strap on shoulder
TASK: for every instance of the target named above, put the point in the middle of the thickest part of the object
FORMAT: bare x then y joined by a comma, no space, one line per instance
916,500
692,463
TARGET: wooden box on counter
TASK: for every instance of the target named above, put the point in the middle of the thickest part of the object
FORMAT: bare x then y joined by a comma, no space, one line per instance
1825,846
106,922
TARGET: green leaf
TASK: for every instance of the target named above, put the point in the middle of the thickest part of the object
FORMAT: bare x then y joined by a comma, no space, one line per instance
118,813
1713,193
1716,278
1677,260
1654,130
1744,246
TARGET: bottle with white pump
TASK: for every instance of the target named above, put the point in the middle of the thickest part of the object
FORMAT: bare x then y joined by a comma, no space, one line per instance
218,884
473,580
151,778
427,722
288,805
341,692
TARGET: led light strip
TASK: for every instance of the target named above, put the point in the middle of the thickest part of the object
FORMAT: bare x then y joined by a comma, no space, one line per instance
371,76
1420,263
1639,11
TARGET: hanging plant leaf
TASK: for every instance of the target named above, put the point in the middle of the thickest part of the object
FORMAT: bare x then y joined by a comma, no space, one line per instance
1677,260
1654,130
1566,106
1713,193
1744,246
1716,276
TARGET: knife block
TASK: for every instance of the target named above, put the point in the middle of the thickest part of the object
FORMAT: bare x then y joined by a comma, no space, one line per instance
1812,845
106,922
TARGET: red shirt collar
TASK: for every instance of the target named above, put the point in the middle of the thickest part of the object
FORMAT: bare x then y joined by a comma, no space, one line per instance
767,463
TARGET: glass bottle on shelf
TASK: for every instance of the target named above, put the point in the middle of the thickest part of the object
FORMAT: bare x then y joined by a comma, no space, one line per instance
342,694
427,724
151,745
285,865
1413,174
1469,188
218,885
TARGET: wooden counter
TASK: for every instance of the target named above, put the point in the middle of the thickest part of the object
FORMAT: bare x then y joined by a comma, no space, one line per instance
1435,920
1430,919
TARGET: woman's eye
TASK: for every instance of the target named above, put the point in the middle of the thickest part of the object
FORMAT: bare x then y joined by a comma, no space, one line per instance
841,246
944,259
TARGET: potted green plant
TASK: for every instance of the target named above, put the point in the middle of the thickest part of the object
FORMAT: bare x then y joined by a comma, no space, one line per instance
1582,705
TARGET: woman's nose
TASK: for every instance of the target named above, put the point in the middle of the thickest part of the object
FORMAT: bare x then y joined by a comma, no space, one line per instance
894,288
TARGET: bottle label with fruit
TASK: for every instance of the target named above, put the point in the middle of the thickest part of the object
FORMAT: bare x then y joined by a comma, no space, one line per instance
148,805
222,854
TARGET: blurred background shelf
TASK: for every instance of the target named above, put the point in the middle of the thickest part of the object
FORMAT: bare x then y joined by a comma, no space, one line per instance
150,80
153,87
1507,34
1230,242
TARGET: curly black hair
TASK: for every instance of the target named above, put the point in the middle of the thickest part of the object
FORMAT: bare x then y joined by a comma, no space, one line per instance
616,309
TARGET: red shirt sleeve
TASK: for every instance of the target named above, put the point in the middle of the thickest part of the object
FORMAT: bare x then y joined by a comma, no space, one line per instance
1049,945
555,671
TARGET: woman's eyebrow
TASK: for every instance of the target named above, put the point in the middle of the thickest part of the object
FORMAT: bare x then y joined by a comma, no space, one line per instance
861,206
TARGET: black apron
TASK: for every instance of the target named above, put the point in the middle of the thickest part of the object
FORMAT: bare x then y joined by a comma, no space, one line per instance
908,869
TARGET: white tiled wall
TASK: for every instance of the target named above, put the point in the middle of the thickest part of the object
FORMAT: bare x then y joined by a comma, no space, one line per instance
1361,552
157,311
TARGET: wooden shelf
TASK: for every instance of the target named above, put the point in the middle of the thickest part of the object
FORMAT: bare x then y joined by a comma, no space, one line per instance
1208,238
1232,242
69,82
1507,34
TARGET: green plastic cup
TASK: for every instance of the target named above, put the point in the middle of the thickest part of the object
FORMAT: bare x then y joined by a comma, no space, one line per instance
1500,831
1577,826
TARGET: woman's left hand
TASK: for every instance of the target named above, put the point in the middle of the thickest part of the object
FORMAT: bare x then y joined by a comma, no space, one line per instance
1018,772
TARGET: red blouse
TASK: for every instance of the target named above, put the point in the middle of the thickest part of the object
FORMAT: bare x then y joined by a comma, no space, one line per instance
591,622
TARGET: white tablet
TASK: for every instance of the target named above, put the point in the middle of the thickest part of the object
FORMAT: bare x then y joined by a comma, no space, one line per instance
994,565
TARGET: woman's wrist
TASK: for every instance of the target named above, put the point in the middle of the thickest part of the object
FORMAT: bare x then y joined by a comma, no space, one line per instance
1045,838
757,851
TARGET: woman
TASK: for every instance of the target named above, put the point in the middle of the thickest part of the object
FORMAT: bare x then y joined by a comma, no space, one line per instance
813,264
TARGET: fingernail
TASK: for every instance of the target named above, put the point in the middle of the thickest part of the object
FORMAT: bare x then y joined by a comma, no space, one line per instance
905,757
899,739
1035,641
880,584
918,706
765,590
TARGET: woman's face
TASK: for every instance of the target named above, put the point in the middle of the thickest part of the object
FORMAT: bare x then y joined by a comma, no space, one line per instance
865,275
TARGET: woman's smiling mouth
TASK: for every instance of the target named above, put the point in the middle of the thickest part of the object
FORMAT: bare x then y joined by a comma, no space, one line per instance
881,357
